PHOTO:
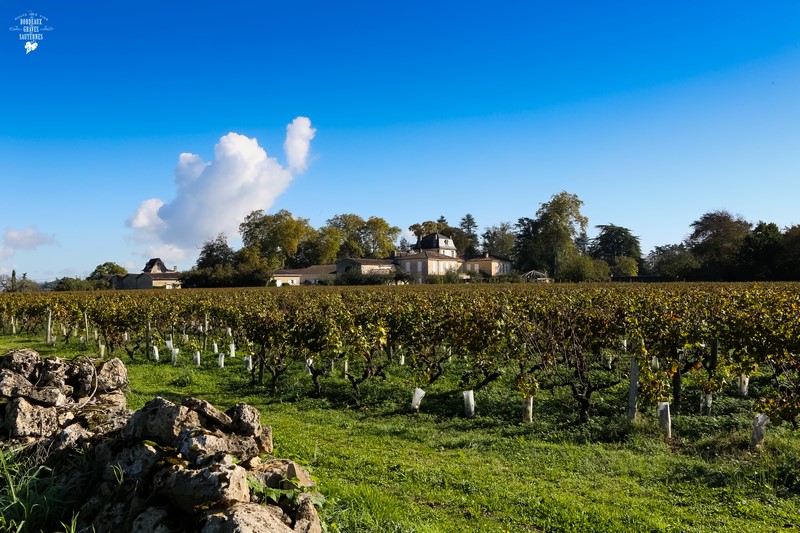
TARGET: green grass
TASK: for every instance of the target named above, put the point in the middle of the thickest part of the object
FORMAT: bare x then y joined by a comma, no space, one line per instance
383,468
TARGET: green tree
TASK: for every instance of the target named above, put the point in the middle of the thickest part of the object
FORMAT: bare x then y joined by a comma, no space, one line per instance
470,229
499,239
74,284
625,266
275,237
761,252
12,284
613,242
716,241
372,238
105,271
215,252
320,248
546,242
673,261
379,237
579,267
424,228
788,265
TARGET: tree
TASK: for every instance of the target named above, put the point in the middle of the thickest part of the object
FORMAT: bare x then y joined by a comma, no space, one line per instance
378,237
74,284
424,228
320,248
12,284
105,271
275,237
789,262
613,242
673,261
546,242
716,241
215,252
579,267
499,240
470,229
372,238
761,252
625,266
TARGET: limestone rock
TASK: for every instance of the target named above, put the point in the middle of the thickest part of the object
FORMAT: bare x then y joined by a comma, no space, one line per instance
136,462
25,420
245,518
297,477
246,419
81,376
306,518
13,385
211,417
112,400
160,420
53,374
72,437
112,376
264,441
221,482
23,362
152,520
195,445
48,396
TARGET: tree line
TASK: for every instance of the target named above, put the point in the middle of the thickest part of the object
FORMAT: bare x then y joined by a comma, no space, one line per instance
720,247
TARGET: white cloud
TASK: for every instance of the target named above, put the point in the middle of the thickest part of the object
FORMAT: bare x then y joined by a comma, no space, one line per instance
298,141
213,197
26,239
23,239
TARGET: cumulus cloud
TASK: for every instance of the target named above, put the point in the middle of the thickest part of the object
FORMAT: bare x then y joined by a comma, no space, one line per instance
23,239
213,197
298,141
26,239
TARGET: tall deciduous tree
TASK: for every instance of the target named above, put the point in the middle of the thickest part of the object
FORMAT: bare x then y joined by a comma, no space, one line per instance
276,237
549,240
716,241
106,270
215,252
499,239
372,238
673,261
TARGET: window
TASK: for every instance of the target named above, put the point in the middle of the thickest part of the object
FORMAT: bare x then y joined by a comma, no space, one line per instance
408,266
419,266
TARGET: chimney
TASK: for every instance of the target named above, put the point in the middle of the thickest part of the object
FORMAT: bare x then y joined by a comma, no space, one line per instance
174,268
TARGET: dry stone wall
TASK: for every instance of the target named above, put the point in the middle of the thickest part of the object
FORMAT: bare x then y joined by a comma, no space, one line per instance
164,468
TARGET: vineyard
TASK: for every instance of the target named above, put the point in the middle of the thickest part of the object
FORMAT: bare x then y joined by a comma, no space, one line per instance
584,339
569,382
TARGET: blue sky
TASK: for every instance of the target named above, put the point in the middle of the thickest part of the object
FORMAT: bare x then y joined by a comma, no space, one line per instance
652,113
